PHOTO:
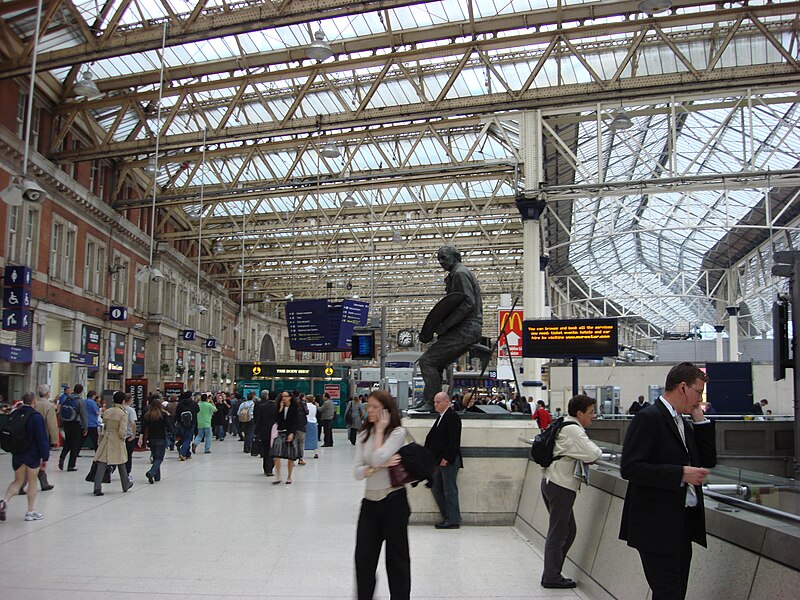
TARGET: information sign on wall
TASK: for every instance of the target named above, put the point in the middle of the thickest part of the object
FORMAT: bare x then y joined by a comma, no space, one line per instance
569,338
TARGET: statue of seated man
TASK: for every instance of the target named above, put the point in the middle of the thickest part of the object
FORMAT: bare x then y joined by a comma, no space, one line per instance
458,329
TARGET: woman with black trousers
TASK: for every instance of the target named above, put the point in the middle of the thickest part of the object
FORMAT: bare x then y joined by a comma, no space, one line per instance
155,425
384,509
285,445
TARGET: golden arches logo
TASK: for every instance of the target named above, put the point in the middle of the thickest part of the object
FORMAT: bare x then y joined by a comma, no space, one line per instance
256,370
513,321
329,371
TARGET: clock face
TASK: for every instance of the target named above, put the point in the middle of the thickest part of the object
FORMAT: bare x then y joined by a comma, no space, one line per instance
405,338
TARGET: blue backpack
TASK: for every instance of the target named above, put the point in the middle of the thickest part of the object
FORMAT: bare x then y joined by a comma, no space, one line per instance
68,411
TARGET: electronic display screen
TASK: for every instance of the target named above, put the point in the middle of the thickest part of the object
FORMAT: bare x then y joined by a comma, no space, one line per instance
569,338
363,346
322,325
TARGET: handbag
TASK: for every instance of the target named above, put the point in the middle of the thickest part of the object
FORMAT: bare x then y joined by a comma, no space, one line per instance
256,445
93,470
416,464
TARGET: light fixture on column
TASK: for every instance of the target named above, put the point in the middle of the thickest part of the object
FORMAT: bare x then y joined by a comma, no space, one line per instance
620,121
12,195
652,7
319,49
86,87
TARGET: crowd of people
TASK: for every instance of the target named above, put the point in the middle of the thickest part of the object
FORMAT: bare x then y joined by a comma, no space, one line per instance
664,459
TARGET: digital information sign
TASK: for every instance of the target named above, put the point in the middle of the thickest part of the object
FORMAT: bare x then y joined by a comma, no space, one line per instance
363,346
573,338
322,325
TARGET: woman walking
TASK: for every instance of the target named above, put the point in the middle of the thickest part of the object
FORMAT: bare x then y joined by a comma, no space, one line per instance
285,446
384,509
312,441
112,450
354,418
155,425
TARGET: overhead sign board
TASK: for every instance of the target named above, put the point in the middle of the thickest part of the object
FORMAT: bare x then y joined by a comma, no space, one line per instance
117,313
509,323
569,338
322,325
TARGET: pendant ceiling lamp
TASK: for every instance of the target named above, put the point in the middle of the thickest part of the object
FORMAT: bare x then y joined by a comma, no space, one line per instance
329,150
319,49
652,7
620,121
86,87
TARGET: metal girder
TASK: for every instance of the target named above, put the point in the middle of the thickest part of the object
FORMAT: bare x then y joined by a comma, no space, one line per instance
608,88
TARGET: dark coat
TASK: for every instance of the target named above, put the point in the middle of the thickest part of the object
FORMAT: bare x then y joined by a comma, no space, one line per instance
264,416
444,439
289,422
653,457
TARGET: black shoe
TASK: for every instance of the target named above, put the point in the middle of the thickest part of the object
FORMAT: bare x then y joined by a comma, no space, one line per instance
60,465
150,478
562,584
447,525
22,491
98,493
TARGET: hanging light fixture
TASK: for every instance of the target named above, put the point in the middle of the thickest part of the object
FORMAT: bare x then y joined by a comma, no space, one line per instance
86,87
319,49
218,247
396,237
420,262
151,168
620,121
652,7
329,150
349,201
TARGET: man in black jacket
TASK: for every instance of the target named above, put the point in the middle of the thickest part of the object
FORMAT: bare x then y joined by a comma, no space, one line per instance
264,417
185,421
444,442
665,461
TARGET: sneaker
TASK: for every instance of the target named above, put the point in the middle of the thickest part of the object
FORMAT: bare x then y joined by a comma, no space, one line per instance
33,516
194,447
3,506
181,458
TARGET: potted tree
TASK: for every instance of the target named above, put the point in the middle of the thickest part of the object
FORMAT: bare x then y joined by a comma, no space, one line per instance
164,368
190,372
179,370
202,373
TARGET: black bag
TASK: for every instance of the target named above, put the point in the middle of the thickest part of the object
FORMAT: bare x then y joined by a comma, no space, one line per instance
93,471
68,411
545,442
255,446
12,434
348,415
416,464
187,418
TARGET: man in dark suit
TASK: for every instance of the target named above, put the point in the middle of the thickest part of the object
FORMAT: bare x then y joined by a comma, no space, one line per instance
665,461
444,442
264,417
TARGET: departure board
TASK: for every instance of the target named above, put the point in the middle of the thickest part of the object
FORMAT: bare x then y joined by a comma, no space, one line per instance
322,325
569,338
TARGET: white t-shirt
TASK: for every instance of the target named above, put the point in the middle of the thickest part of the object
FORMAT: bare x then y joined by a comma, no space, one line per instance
131,419
312,412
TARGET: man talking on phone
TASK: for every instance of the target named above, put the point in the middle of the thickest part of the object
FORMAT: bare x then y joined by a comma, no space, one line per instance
666,460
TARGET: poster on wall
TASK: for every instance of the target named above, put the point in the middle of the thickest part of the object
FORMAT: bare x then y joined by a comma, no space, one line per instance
137,364
90,345
116,355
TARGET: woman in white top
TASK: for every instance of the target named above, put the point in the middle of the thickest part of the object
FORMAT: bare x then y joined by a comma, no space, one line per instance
560,484
311,442
384,509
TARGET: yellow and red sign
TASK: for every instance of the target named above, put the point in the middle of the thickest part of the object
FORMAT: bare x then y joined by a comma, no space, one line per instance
511,342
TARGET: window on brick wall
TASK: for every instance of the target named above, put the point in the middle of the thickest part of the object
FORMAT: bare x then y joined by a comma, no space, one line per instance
94,268
62,251
23,227
119,280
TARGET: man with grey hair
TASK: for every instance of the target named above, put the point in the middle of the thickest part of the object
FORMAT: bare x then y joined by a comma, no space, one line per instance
48,411
459,328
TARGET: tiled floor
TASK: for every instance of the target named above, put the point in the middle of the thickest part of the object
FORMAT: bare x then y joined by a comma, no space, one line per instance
214,527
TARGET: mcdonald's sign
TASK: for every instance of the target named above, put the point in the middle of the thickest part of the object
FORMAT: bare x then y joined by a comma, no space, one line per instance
513,333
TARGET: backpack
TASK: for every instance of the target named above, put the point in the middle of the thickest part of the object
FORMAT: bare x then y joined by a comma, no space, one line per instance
244,413
545,442
12,434
68,411
187,418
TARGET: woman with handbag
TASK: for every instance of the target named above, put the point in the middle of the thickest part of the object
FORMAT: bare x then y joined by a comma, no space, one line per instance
112,450
384,509
285,445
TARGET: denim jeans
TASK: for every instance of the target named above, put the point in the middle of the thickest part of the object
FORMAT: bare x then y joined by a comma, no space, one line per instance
157,449
220,432
204,433
445,491
186,433
248,430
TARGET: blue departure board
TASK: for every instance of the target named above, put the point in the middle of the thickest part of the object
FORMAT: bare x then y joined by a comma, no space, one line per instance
322,325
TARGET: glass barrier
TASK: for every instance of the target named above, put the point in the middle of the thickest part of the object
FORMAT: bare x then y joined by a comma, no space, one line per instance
761,489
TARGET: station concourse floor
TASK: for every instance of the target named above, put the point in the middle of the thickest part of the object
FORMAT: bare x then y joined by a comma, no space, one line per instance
214,527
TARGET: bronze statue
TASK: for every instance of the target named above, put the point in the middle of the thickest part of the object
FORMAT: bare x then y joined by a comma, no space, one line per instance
457,320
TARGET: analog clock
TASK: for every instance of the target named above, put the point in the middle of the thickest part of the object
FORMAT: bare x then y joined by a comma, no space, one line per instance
405,338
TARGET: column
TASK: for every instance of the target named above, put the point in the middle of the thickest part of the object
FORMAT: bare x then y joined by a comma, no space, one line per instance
531,205
719,329
733,332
